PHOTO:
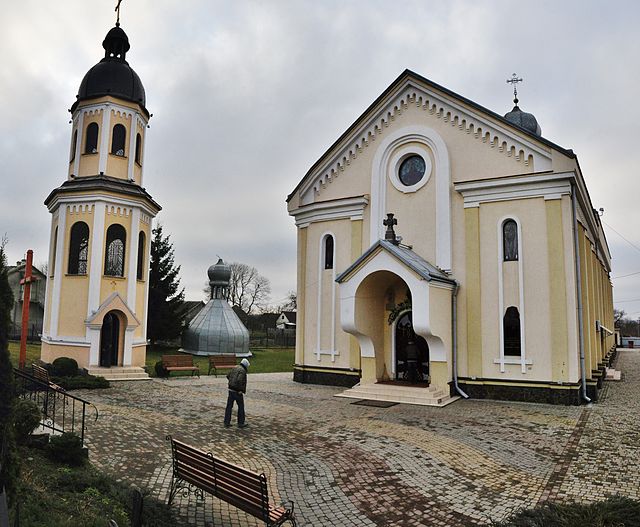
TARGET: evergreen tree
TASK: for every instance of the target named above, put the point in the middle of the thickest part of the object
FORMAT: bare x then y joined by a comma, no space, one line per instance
8,457
165,317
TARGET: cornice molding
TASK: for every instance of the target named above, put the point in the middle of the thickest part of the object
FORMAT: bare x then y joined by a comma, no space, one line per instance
347,208
493,134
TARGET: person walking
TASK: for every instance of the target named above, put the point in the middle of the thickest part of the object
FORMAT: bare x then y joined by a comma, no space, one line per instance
237,388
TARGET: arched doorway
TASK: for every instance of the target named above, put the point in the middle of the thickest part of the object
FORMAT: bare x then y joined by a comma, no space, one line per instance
411,352
110,340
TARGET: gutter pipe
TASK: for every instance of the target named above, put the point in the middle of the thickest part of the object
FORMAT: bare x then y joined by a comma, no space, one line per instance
454,331
579,291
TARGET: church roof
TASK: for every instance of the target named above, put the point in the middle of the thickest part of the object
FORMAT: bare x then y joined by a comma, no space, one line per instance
408,75
412,260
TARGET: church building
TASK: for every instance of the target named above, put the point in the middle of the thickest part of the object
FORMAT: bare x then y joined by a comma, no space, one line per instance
97,290
447,251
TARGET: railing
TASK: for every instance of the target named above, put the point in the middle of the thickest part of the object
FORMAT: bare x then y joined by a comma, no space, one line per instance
61,411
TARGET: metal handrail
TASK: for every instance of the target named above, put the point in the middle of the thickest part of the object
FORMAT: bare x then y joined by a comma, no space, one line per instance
58,407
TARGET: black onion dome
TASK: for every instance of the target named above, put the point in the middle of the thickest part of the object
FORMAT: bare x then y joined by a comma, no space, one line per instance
112,75
523,120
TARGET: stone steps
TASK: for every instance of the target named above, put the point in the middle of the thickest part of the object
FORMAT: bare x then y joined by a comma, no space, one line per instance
120,373
431,396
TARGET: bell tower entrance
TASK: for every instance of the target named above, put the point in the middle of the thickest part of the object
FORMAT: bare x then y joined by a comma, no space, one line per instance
110,340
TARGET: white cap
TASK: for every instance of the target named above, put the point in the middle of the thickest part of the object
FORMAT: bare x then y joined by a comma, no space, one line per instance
245,363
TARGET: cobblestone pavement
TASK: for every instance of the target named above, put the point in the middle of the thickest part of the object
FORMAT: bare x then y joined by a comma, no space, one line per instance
349,465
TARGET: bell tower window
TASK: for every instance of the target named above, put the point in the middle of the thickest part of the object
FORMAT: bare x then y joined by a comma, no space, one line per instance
510,241
114,257
141,245
73,146
328,252
78,249
139,149
118,139
91,141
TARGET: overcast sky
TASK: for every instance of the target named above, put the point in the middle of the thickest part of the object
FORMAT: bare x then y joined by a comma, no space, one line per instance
246,96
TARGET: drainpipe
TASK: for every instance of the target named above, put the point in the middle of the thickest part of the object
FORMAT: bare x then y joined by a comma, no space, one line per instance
576,244
454,338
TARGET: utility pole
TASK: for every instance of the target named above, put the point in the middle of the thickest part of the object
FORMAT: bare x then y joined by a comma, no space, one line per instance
26,281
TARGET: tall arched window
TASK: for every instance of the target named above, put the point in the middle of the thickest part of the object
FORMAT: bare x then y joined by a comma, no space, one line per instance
139,149
55,248
91,141
114,257
78,248
328,252
510,241
117,140
73,146
141,246
511,329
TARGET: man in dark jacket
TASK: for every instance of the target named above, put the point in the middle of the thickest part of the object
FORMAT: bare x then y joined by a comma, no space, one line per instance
237,388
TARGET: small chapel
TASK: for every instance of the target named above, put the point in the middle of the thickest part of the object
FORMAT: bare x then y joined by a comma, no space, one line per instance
101,216
445,251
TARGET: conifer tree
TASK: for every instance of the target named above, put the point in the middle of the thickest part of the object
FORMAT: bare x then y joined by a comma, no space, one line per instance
8,458
165,317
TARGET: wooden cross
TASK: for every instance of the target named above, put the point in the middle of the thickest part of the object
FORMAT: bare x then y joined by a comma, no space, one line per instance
117,10
514,80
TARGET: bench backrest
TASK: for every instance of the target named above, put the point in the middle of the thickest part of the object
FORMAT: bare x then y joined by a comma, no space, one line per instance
222,361
177,360
242,488
40,373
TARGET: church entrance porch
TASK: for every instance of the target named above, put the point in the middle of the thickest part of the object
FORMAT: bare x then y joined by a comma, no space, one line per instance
110,340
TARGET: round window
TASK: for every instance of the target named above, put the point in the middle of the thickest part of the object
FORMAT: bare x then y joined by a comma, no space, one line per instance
412,170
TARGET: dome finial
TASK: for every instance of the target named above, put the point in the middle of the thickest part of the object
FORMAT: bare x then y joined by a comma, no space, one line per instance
514,80
117,10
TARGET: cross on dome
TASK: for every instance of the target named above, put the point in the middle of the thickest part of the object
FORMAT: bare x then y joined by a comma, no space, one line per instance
514,80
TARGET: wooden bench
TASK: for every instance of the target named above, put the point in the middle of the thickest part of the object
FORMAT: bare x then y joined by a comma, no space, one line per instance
41,374
222,362
180,363
246,490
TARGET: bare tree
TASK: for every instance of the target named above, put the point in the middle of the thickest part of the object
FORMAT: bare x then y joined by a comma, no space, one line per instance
248,289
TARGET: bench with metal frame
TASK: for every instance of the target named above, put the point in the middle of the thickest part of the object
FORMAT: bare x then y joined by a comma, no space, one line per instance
180,363
221,362
42,374
199,472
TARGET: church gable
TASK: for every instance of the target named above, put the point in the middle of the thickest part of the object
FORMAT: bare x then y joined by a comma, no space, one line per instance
409,93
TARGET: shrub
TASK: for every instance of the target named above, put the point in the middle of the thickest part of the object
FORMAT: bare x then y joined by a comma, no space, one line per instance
26,418
88,382
64,367
67,448
161,371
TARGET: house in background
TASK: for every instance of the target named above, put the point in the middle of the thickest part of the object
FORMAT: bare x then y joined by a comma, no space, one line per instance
491,281
36,305
287,319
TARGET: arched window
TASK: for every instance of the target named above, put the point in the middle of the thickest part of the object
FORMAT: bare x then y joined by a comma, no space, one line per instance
118,139
328,252
73,146
55,247
78,248
139,149
91,141
510,241
511,329
114,257
141,246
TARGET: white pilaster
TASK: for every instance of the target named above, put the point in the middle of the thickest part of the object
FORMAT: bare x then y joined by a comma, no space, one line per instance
104,138
59,271
96,250
132,145
147,269
93,336
133,259
80,130
128,341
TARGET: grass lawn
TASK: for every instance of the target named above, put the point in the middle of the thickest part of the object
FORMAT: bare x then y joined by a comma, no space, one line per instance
264,360
33,352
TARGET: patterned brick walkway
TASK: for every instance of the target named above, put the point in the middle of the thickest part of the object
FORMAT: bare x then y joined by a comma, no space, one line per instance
349,465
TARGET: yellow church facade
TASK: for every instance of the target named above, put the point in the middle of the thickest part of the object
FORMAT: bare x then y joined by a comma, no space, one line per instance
489,279
98,285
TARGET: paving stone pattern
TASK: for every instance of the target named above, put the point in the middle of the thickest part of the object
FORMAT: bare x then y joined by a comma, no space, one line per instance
348,465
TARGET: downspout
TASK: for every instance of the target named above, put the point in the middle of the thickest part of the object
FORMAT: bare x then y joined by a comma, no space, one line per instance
454,338
579,291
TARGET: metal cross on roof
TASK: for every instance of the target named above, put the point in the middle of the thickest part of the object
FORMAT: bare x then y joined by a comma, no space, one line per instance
117,10
514,80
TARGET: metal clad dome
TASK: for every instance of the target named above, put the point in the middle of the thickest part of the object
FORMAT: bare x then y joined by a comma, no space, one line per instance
523,120
112,75
220,273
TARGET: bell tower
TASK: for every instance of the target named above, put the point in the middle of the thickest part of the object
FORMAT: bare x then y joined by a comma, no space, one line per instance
97,291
